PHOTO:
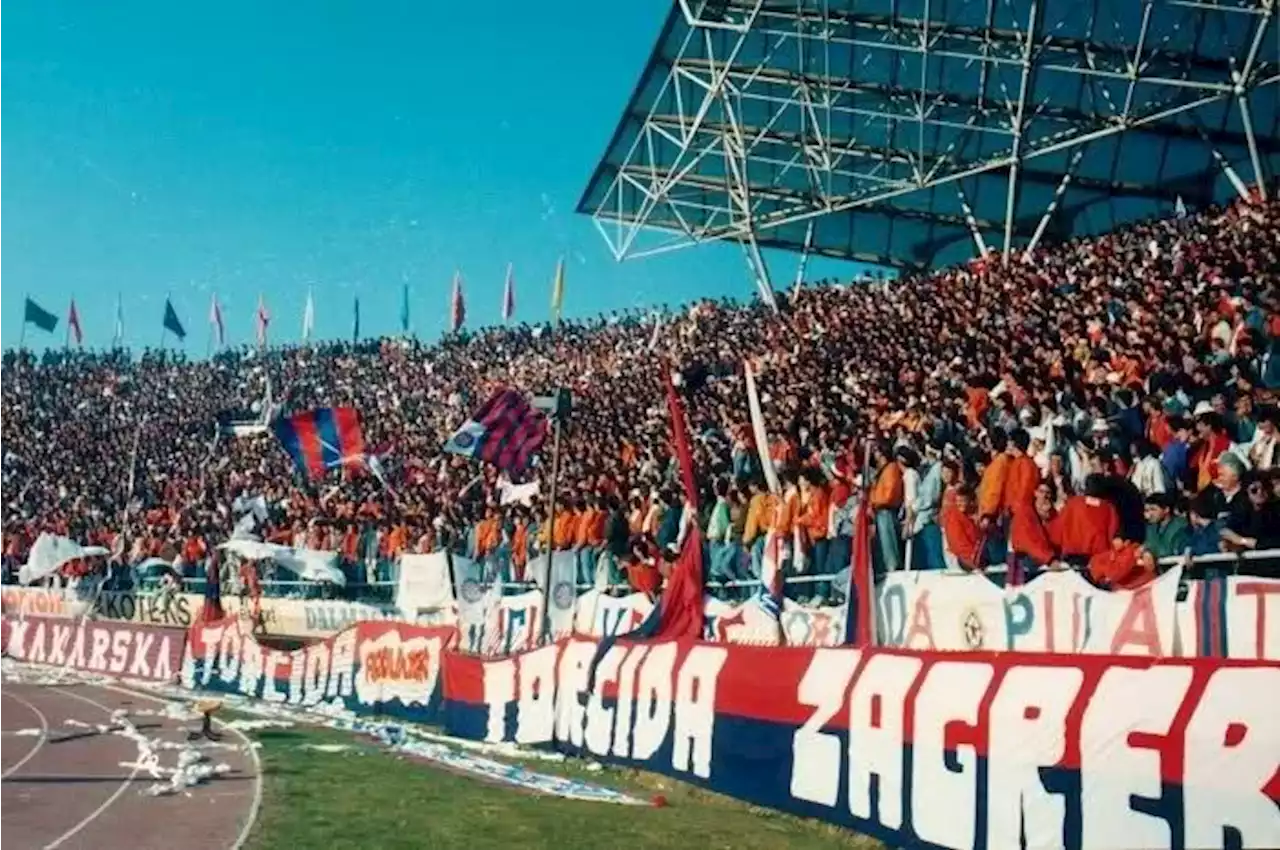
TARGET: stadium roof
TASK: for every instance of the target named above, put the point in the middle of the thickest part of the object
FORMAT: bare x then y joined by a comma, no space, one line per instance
917,133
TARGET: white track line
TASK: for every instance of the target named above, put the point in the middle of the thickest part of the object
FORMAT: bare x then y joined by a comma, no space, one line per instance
92,816
44,735
248,745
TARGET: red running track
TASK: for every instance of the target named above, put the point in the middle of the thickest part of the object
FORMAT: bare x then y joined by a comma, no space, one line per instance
66,788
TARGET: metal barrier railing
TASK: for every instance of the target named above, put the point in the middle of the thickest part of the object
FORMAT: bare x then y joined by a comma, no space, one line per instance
383,590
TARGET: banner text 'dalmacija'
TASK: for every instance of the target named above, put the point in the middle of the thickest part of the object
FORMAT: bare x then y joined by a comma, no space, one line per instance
116,649
917,749
375,667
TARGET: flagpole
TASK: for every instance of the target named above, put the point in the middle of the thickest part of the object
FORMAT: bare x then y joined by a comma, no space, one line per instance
66,338
22,334
556,427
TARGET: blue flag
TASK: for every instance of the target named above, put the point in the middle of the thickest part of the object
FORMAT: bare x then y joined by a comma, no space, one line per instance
171,322
404,308
39,316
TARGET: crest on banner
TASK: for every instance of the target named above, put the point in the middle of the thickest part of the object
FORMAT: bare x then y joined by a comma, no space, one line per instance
972,629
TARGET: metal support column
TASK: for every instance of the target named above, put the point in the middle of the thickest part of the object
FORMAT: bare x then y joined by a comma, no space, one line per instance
972,223
1015,163
804,258
1259,175
1241,189
1053,204
559,412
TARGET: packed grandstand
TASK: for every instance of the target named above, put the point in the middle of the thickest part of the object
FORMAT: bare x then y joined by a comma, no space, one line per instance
1102,404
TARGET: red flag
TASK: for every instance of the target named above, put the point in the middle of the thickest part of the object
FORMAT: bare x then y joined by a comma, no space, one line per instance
681,615
509,296
263,319
458,313
73,323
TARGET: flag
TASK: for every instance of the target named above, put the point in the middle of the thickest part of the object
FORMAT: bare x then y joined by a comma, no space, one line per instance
73,324
215,321
759,432
319,440
404,308
458,307
509,296
657,329
171,323
40,317
506,432
859,627
211,611
679,613
777,548
355,321
117,338
557,291
262,319
308,317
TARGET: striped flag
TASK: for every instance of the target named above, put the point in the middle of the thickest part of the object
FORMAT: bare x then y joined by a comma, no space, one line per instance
262,318
320,440
506,432
458,307
215,321
509,295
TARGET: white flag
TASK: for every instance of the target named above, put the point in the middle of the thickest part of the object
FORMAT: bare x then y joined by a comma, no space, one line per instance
117,338
308,317
761,435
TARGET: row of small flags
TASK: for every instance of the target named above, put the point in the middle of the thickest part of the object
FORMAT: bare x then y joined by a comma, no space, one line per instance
47,321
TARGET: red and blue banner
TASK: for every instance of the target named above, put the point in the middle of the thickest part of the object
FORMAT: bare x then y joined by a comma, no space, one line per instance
960,750
319,440
506,432
383,668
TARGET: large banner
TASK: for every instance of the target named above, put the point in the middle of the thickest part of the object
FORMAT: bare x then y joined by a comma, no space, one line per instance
114,649
1236,617
1056,612
370,668
961,750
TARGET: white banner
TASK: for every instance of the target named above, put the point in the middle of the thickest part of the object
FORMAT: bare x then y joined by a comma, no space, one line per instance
1055,612
424,586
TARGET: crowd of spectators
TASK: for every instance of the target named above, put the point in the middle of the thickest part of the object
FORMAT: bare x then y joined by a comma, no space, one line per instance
1100,404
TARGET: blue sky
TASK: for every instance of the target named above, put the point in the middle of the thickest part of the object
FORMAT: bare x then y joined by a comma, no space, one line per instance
153,149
